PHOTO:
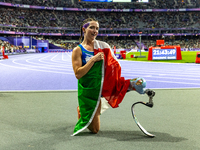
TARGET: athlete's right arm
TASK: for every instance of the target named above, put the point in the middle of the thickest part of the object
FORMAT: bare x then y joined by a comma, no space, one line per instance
80,70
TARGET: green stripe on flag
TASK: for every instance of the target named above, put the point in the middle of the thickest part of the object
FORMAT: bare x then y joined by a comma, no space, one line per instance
89,88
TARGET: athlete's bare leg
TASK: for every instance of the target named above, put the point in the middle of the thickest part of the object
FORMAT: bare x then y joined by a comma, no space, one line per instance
94,127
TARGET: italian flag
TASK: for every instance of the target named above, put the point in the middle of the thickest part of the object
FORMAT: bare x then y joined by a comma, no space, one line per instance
103,80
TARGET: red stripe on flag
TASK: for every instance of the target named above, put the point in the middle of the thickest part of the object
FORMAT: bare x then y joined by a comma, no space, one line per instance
114,86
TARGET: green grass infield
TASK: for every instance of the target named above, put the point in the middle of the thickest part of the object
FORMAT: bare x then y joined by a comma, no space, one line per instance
187,57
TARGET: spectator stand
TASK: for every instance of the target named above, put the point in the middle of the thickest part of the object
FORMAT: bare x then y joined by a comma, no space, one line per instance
169,22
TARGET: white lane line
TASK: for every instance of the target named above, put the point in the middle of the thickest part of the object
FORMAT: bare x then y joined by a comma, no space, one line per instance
44,67
25,68
55,66
166,73
174,82
192,81
64,54
165,63
69,54
176,88
41,64
27,57
175,73
59,63
163,70
54,57
47,64
171,78
62,58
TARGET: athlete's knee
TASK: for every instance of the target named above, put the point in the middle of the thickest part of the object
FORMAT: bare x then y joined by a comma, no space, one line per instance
95,130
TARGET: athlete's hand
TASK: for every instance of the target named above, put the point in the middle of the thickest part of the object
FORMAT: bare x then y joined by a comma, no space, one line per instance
99,56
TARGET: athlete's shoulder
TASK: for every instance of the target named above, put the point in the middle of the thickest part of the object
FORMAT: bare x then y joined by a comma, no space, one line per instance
77,49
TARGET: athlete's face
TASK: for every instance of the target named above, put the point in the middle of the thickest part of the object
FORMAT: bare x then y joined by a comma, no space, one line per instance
92,30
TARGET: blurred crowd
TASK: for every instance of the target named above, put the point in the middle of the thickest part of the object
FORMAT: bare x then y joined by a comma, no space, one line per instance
45,21
117,43
9,48
131,43
159,4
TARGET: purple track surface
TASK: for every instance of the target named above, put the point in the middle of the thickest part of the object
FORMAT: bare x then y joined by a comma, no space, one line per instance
53,71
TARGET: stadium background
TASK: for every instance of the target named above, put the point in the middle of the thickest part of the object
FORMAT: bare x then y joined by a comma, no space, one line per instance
44,120
175,21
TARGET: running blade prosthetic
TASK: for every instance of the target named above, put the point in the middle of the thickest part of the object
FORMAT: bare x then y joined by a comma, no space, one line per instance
150,94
